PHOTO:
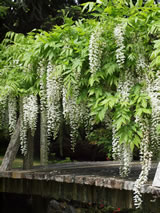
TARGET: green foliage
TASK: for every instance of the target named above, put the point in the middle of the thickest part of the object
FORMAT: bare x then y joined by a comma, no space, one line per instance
3,10
67,47
102,138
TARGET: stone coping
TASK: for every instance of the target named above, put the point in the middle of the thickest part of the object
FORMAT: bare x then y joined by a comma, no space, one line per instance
100,174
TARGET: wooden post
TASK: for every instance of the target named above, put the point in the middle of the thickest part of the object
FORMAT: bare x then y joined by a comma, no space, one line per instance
12,149
43,138
28,158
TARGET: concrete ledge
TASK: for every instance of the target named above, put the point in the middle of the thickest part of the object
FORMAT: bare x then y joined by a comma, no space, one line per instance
99,174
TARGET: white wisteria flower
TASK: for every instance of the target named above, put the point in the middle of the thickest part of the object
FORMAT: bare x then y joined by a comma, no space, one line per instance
153,89
145,158
75,114
119,32
41,73
3,109
12,113
95,51
29,114
122,151
54,106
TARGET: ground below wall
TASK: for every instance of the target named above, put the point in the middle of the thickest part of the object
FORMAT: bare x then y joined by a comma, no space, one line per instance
37,204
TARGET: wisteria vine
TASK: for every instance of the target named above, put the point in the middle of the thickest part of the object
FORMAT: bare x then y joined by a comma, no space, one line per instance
29,112
95,50
12,113
98,72
54,96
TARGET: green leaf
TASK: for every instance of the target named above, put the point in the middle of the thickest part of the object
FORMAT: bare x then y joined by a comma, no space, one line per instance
139,111
102,113
89,5
139,133
147,111
131,4
108,10
144,103
132,146
99,1
149,3
158,129
139,3
91,91
91,81
120,122
136,140
123,138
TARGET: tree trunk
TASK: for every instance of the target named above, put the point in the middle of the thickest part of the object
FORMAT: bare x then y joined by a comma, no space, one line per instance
43,138
12,149
61,138
28,158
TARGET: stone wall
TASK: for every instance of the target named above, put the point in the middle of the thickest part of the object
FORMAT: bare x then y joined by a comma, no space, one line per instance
84,194
94,183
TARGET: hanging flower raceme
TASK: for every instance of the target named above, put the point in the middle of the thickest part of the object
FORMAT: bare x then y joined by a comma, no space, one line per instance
119,32
30,110
153,89
29,113
145,158
12,113
54,106
146,126
95,51
141,65
71,112
122,151
115,144
74,113
41,73
126,82
125,158
3,115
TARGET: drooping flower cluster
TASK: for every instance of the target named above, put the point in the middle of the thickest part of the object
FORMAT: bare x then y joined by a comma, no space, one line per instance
12,113
146,126
29,113
95,51
74,113
126,82
23,135
119,32
122,151
145,158
141,65
54,96
41,72
153,91
125,158
71,112
30,108
115,144
3,114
